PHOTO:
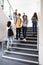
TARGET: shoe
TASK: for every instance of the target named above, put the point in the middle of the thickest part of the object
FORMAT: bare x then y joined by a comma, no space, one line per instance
12,45
8,49
24,39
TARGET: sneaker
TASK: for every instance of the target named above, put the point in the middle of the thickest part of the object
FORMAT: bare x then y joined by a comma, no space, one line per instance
8,49
24,39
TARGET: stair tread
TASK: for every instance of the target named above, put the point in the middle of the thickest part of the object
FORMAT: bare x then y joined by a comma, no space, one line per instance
25,41
25,44
19,59
23,48
21,53
25,51
30,37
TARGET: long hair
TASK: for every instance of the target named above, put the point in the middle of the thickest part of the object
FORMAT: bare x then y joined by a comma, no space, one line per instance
35,15
25,18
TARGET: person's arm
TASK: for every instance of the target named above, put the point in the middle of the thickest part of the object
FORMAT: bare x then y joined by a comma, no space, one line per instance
33,18
15,21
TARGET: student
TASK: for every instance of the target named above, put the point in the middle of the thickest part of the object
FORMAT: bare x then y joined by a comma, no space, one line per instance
34,21
23,15
10,34
15,18
24,26
15,15
18,23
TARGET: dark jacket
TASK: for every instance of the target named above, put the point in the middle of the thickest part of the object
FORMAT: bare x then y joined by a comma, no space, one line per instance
10,32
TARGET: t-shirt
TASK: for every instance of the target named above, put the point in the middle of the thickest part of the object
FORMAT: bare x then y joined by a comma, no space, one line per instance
24,24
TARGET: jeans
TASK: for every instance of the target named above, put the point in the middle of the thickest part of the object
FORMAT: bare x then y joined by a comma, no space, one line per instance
10,41
24,30
34,28
18,31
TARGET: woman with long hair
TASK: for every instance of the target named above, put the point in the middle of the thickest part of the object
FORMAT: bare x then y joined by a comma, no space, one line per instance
24,26
34,22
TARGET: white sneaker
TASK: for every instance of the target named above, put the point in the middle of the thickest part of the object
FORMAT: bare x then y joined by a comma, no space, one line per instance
24,39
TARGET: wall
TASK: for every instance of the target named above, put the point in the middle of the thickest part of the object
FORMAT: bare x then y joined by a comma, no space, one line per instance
41,34
3,21
27,6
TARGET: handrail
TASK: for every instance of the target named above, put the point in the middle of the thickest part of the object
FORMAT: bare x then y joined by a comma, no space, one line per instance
10,5
2,5
11,10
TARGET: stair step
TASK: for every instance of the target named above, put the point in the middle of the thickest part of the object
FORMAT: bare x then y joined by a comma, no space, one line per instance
25,44
32,58
25,41
20,53
23,48
18,59
30,47
24,51
33,39
29,38
30,32
29,35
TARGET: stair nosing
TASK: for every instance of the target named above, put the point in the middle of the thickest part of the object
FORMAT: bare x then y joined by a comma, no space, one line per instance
24,48
24,41
30,37
23,60
21,53
25,44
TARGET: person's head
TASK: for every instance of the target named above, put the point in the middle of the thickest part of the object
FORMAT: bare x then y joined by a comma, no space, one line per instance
25,17
8,23
23,13
15,13
35,15
15,10
19,15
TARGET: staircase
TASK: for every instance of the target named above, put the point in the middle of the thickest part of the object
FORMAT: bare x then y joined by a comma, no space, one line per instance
24,52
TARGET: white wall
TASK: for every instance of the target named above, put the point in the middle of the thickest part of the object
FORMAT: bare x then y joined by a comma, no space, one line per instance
27,6
3,21
41,34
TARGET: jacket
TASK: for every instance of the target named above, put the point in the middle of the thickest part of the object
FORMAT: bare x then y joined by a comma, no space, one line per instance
18,23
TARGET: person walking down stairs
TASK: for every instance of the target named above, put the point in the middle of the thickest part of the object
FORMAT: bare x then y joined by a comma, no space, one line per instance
18,25
10,34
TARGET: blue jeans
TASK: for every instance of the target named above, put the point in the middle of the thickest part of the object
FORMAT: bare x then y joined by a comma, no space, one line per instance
34,28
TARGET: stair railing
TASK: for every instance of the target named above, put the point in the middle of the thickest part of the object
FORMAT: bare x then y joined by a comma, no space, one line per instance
7,7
